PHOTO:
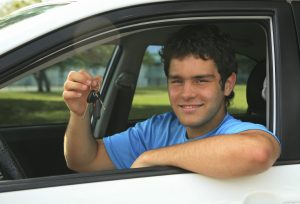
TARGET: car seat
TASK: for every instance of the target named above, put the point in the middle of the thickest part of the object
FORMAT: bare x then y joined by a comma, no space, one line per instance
256,111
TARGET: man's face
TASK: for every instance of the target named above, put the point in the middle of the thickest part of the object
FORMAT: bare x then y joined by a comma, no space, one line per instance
195,93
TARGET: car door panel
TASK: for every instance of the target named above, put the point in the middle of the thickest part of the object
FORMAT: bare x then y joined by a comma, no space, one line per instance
39,149
273,186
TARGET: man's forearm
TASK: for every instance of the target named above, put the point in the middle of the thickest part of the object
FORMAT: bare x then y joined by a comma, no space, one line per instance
219,156
80,148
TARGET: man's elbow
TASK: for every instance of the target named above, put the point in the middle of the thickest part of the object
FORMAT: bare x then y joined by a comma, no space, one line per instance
264,157
74,165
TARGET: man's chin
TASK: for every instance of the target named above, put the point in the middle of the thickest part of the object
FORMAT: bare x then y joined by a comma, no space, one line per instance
190,124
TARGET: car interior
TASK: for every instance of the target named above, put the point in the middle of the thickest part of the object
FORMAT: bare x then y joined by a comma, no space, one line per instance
37,150
248,39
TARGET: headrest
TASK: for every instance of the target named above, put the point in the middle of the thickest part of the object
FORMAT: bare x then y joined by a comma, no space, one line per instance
255,85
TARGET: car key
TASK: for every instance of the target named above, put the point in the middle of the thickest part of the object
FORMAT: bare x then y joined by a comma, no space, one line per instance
92,97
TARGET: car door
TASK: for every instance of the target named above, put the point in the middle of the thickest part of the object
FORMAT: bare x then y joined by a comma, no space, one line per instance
131,35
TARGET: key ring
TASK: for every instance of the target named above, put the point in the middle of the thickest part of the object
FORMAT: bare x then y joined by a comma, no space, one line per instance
94,98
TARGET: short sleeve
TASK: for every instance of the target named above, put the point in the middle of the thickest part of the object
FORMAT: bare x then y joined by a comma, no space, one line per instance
123,148
156,132
233,126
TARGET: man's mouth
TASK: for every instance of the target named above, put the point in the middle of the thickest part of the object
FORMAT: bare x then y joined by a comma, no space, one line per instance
190,107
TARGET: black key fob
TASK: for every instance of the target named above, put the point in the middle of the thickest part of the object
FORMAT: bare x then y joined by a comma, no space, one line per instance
92,97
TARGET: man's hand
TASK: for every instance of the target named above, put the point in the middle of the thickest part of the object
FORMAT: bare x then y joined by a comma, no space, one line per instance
76,89
82,152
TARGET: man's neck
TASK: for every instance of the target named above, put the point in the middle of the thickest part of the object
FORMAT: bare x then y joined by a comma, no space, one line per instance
193,132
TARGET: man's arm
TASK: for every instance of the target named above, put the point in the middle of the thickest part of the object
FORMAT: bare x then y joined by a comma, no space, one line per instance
82,152
224,156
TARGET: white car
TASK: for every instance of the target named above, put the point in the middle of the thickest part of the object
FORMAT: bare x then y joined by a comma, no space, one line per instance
121,40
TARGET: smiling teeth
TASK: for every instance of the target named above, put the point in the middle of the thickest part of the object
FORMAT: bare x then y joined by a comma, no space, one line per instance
190,106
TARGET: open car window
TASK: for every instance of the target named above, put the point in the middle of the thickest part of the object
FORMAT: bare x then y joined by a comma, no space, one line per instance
37,98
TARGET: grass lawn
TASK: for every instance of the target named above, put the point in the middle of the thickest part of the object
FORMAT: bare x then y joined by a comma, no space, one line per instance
18,108
23,108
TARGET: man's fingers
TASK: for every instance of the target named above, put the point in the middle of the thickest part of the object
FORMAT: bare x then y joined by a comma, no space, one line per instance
80,77
75,86
78,85
97,82
71,95
86,74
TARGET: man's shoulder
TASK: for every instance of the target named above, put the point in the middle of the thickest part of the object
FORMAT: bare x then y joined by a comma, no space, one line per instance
235,125
231,119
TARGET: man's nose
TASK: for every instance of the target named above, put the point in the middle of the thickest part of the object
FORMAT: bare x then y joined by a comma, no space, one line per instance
188,91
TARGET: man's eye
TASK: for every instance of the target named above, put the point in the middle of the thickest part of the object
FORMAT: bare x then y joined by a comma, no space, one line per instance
201,81
175,81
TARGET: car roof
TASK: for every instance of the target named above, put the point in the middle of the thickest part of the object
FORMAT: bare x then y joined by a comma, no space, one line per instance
34,26
62,13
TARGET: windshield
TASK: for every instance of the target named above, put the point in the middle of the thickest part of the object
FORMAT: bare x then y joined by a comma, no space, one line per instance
26,13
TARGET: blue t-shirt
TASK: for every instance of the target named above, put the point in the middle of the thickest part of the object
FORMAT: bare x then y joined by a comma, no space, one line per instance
161,131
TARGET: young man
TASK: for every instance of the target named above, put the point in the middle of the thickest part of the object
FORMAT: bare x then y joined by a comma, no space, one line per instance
199,135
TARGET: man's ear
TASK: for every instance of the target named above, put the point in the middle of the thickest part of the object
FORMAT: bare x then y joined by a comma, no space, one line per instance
229,84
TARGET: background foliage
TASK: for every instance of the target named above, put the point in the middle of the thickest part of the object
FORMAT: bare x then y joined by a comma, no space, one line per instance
13,5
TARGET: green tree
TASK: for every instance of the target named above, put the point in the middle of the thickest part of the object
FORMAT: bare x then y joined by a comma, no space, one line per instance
13,5
149,58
